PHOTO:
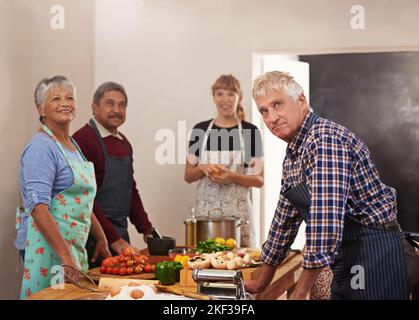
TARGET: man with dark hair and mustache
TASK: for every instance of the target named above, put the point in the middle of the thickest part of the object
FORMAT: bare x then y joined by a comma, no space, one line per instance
117,197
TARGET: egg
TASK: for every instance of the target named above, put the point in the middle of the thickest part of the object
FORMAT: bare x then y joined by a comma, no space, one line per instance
137,294
115,291
153,288
133,284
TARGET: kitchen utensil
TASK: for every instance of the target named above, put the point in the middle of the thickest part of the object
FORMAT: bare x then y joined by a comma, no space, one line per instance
156,234
182,251
221,284
88,284
160,246
203,228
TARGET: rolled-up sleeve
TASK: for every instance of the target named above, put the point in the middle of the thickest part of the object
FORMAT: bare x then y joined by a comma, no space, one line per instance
328,172
38,170
282,233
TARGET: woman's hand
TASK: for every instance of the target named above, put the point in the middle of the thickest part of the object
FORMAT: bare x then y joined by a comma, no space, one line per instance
210,169
70,269
101,249
223,176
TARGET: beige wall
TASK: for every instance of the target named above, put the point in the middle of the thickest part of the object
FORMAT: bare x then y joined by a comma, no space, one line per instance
168,53
31,50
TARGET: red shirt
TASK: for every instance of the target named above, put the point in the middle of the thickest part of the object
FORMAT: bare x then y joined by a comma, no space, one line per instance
89,144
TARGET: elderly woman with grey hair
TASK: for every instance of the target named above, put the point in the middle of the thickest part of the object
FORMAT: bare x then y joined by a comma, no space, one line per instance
58,186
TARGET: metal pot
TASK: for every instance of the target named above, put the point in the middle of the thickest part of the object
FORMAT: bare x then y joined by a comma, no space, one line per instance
201,229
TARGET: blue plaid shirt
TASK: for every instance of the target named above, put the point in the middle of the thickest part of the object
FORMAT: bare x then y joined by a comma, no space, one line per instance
342,180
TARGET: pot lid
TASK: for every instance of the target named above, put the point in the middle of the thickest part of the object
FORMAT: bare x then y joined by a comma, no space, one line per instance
219,219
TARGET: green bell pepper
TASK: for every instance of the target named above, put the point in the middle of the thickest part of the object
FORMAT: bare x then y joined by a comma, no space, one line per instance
165,273
177,266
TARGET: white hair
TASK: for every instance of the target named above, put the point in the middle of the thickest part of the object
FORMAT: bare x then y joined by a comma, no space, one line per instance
45,85
276,80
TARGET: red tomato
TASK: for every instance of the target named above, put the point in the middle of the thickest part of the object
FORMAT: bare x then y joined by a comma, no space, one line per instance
115,271
130,263
102,269
107,262
109,270
138,269
130,270
128,252
121,259
122,271
153,268
122,265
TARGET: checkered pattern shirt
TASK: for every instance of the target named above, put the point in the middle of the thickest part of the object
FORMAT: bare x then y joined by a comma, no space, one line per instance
342,180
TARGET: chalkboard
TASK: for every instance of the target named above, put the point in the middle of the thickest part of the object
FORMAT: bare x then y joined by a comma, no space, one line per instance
376,96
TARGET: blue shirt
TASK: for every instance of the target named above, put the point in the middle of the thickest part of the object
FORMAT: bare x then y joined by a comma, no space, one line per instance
44,172
342,179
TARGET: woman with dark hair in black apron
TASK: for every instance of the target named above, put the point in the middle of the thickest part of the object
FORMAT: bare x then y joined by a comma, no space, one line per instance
330,181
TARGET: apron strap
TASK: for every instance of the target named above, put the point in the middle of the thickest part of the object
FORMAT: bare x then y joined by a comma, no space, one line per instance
102,144
60,146
203,153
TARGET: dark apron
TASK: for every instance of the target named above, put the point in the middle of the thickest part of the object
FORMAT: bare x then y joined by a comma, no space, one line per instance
379,251
115,193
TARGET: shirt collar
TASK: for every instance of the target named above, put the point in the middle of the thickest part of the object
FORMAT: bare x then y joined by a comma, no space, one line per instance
296,143
105,133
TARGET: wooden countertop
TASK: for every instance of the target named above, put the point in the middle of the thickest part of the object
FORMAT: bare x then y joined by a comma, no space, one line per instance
284,280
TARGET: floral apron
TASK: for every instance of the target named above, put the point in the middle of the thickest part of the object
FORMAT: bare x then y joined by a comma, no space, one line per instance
227,200
71,209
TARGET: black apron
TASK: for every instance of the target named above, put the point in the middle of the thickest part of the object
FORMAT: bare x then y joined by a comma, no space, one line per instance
379,251
115,193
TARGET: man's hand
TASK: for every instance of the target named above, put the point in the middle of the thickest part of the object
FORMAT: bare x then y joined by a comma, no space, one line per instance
305,283
119,245
257,285
146,237
101,249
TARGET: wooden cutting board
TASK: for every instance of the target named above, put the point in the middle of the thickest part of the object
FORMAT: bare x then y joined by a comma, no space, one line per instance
96,275
106,284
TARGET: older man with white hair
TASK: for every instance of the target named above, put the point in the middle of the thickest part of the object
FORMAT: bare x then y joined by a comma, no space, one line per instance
330,181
